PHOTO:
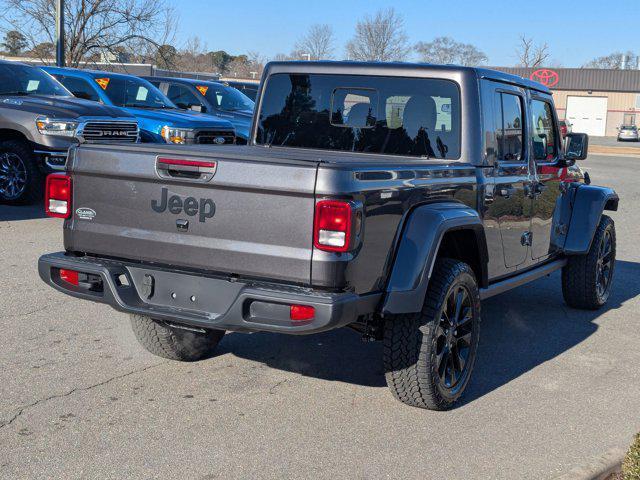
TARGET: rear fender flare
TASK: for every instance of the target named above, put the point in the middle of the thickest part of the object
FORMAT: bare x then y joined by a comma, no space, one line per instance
589,203
418,248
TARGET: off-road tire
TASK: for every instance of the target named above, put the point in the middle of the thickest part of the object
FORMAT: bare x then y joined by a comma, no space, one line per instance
174,343
410,341
580,274
34,189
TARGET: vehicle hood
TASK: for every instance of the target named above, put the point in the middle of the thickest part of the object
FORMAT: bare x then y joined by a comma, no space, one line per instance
242,113
179,118
240,119
61,107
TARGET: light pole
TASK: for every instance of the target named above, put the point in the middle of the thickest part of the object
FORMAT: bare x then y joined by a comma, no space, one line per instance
60,33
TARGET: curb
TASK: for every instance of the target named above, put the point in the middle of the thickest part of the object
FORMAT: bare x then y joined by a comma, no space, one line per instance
600,469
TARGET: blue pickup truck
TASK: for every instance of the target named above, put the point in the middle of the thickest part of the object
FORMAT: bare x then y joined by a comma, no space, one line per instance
213,98
160,120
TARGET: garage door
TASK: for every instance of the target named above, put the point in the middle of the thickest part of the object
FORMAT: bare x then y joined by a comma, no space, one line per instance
588,114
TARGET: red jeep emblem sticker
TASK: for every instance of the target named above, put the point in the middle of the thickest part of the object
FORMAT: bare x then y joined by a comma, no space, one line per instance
545,76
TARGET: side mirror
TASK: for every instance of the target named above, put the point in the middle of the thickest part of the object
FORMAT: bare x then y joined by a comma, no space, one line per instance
577,146
196,108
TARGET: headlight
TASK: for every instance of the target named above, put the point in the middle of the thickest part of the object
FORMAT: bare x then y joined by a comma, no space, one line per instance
174,135
54,126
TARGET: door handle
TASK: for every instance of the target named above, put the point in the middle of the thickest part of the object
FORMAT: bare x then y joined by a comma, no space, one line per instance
180,168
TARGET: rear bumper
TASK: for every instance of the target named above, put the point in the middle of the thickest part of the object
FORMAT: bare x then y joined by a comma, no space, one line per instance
629,137
204,301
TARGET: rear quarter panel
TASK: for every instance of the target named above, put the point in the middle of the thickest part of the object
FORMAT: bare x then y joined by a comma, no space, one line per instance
388,193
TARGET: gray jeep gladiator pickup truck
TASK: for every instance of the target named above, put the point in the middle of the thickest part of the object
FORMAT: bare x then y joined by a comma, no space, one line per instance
391,198
39,121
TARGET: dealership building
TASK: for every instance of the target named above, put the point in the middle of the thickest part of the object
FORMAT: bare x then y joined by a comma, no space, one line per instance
594,101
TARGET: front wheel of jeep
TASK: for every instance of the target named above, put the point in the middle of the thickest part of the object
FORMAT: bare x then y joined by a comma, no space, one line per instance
174,342
429,356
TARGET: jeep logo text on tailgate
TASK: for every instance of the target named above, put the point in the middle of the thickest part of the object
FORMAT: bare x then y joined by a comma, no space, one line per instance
204,208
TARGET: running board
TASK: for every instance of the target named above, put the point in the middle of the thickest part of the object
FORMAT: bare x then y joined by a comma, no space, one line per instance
521,279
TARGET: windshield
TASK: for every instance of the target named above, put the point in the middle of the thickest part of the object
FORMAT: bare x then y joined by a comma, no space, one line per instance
368,114
133,92
16,79
226,98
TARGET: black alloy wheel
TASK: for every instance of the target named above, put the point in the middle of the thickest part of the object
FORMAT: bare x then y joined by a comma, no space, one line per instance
13,176
454,335
604,269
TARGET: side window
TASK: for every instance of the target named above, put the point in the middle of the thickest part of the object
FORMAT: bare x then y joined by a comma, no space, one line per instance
543,133
182,96
509,127
80,88
395,109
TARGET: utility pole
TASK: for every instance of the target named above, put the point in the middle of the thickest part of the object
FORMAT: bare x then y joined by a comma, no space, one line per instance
60,33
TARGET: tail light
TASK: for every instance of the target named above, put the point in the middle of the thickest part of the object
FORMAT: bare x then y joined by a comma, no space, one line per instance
69,276
58,196
301,313
332,226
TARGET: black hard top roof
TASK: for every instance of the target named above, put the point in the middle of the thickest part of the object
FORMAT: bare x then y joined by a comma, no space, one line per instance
381,68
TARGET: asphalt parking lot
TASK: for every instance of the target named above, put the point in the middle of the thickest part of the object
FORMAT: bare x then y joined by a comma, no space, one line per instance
553,389
612,142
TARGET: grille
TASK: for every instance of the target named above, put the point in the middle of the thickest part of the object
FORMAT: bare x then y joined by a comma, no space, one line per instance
208,138
110,132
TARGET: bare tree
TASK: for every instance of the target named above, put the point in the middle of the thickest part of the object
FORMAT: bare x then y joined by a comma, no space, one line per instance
246,66
379,38
531,55
615,61
93,27
192,57
43,51
318,42
292,56
445,50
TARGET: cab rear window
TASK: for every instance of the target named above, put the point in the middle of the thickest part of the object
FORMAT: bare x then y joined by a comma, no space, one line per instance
367,114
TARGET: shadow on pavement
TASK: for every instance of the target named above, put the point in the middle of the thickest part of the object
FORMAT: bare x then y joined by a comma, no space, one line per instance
520,330
10,213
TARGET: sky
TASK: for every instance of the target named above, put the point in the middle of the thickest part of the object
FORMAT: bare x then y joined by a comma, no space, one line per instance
576,31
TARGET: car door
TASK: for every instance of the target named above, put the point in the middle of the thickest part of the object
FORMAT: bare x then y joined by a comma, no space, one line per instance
510,205
546,187
80,87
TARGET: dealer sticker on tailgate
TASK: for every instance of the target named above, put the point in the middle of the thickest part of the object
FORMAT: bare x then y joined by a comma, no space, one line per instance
84,213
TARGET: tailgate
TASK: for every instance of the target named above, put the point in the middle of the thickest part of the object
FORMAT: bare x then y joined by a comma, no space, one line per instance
226,212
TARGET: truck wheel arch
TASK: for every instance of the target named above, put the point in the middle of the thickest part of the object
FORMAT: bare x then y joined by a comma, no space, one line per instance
589,202
432,230
7,134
